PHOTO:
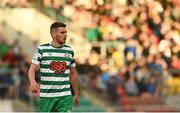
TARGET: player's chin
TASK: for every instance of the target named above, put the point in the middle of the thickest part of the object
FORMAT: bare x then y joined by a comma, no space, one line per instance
34,91
63,42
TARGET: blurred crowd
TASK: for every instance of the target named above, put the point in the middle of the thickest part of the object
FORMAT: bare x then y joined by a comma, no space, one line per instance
14,64
15,3
148,62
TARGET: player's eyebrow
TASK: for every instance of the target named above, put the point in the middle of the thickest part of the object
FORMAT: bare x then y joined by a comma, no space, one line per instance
63,31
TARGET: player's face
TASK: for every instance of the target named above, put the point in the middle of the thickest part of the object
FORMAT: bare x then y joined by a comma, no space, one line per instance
61,35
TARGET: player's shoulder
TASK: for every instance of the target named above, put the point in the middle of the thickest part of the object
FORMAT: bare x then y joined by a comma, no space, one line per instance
65,45
42,46
68,47
47,44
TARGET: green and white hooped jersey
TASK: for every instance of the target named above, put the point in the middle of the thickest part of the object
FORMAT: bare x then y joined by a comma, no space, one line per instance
55,64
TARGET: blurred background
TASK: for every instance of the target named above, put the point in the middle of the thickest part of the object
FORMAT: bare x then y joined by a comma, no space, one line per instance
127,52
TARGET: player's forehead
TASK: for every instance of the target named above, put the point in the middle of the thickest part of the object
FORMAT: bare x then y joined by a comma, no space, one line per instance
62,29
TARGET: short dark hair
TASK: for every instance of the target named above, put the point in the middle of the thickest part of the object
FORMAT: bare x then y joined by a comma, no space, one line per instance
56,25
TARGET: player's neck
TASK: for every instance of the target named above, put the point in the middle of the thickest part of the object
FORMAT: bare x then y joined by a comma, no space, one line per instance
55,44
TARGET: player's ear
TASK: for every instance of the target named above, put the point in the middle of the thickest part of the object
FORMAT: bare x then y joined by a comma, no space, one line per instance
53,34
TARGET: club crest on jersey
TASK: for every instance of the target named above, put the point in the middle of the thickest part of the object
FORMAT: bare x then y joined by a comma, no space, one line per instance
67,55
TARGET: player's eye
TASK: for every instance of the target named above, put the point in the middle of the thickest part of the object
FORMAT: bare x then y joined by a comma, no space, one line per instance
63,32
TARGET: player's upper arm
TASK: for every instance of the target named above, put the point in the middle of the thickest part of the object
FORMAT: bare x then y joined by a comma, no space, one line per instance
34,67
37,56
72,70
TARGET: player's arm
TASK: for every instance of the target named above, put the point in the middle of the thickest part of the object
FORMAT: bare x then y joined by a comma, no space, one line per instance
36,59
34,87
74,82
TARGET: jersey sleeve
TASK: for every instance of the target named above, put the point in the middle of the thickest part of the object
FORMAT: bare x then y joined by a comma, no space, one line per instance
73,63
36,59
